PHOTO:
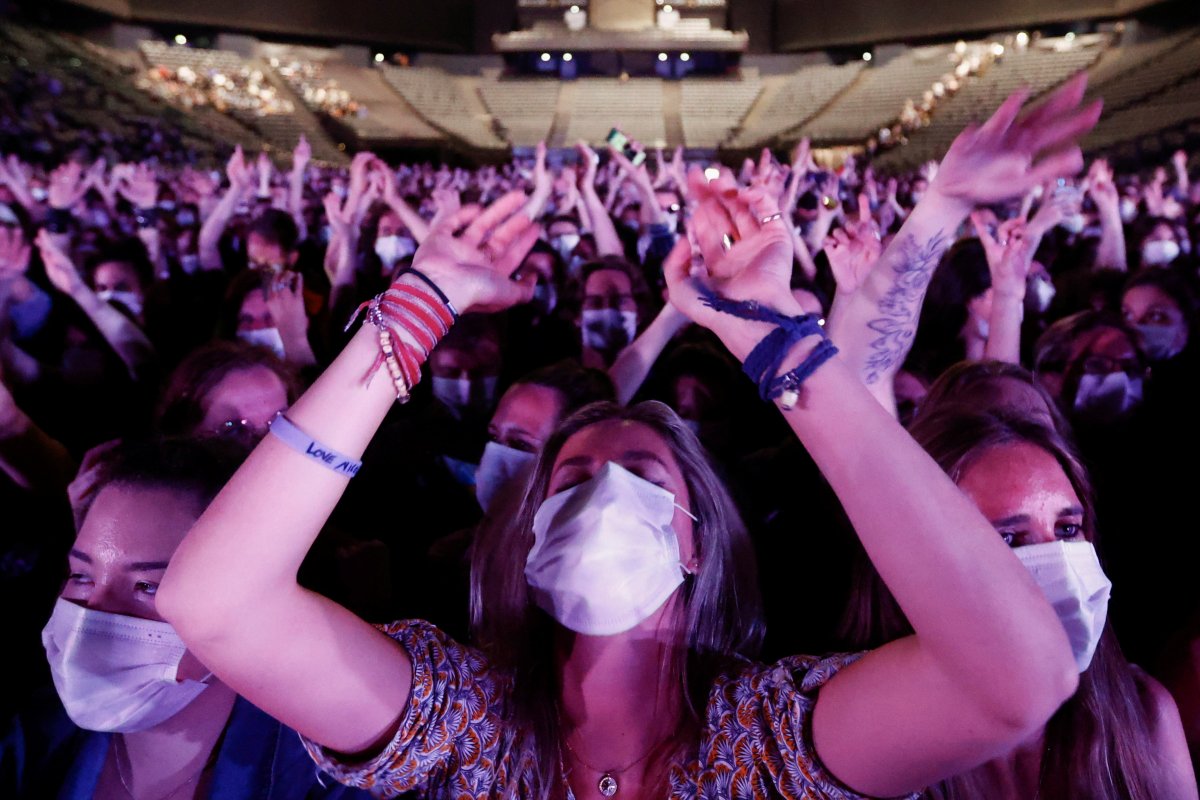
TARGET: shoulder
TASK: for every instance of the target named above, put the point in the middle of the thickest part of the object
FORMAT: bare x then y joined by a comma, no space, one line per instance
1166,729
39,746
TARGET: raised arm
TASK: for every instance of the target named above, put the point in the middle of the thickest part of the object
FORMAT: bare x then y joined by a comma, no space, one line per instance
985,164
295,202
1111,252
231,591
416,225
946,698
631,367
125,338
608,243
241,179
1009,257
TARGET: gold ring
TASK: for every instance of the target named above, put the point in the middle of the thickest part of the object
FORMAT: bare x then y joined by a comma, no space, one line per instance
771,218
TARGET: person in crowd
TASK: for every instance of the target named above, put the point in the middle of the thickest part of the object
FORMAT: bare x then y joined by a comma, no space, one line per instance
593,688
133,712
1120,733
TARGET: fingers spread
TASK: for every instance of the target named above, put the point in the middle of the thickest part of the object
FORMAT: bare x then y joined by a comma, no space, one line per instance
1057,164
492,216
1006,114
1053,132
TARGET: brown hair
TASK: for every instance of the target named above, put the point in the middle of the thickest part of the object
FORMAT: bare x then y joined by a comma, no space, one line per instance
183,401
721,603
1098,744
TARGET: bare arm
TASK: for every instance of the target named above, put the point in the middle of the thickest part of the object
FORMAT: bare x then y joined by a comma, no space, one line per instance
543,184
231,590
945,699
295,201
633,364
1111,252
608,243
1009,258
126,338
416,225
240,182
34,460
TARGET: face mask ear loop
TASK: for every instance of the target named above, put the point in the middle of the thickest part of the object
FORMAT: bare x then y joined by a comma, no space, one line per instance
684,510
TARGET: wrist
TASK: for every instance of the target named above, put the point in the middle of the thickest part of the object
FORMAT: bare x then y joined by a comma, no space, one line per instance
740,336
937,201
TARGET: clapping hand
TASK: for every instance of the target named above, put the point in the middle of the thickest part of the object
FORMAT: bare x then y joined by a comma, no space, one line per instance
67,186
852,250
473,255
14,253
140,187
60,269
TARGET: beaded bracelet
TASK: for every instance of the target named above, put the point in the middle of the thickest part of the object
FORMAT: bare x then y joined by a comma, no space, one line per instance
767,357
412,317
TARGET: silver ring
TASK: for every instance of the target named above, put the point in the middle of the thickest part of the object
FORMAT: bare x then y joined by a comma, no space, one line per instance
771,218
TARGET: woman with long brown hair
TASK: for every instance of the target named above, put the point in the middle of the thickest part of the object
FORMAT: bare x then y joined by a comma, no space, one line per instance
1119,736
616,635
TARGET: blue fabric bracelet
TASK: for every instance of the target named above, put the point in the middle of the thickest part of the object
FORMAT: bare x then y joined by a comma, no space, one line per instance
286,431
765,360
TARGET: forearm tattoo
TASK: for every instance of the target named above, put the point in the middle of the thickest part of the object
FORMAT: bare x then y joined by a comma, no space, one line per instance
901,306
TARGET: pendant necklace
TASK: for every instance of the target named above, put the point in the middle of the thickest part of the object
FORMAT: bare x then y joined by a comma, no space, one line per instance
607,784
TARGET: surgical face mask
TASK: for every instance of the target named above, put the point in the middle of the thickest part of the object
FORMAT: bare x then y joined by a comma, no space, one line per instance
565,244
1043,294
391,249
671,220
607,329
465,395
1128,210
264,337
339,190
1108,396
500,468
131,300
1159,252
167,205
115,673
1075,223
39,194
186,218
100,218
604,555
1070,576
1158,341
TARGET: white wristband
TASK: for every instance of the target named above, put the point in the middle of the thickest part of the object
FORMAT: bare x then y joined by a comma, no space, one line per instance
287,432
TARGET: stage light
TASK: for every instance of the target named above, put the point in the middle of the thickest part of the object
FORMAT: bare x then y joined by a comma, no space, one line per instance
379,58
574,9
567,56
960,47
712,173
684,57
997,49
1022,38
867,56
1070,36
662,56
668,9
180,39
545,56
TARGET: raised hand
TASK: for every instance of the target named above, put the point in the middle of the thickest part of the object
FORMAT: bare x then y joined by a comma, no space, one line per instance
241,177
14,253
1103,190
285,301
140,187
853,249
590,162
542,179
13,175
473,255
757,265
67,186
199,185
302,154
1009,254
60,269
447,202
1006,156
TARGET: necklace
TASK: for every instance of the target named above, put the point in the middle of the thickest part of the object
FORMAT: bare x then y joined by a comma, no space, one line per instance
607,784
125,782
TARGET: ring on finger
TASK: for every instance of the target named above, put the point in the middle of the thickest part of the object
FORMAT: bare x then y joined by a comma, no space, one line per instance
770,218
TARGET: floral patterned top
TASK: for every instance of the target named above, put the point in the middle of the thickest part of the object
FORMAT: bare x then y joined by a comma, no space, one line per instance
454,740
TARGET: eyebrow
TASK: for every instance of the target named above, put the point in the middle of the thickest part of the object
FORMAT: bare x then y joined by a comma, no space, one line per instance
1013,520
1071,511
82,556
146,566
642,455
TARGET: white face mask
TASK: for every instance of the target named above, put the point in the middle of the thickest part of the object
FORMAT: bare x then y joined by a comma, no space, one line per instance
264,337
607,329
1070,576
391,249
1107,396
1043,294
465,394
1159,252
500,468
1074,223
1128,210
131,300
565,244
604,555
113,672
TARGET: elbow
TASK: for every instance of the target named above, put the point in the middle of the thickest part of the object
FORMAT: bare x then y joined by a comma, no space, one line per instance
193,614
1023,707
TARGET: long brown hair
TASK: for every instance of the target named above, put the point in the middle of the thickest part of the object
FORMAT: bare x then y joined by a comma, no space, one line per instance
1098,744
721,603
